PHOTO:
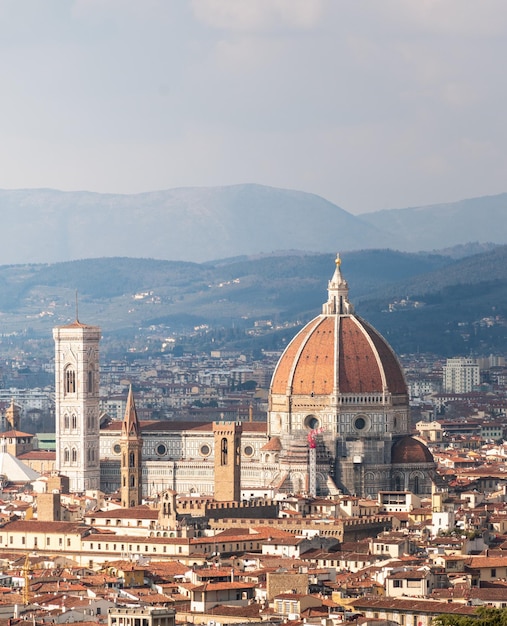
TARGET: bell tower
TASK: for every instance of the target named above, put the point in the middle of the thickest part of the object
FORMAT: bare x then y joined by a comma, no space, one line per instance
131,445
227,437
12,415
77,404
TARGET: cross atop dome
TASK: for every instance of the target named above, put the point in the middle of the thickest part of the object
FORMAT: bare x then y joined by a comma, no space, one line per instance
338,293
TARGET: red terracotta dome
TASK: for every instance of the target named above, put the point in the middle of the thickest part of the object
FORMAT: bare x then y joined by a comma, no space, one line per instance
338,352
341,349
409,450
273,445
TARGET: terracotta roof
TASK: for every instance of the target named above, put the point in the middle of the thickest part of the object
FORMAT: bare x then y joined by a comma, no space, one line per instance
168,426
409,450
77,324
36,526
359,369
498,594
419,606
136,539
14,433
136,512
273,445
477,562
224,586
37,455
282,377
344,349
409,574
251,610
208,572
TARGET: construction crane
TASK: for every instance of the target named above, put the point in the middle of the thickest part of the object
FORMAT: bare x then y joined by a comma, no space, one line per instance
312,460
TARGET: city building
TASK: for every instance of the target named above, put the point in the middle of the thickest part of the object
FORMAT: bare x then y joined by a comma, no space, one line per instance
460,375
338,420
77,404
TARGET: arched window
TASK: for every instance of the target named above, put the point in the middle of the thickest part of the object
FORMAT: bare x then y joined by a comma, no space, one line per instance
132,481
415,487
90,381
223,451
66,455
132,460
66,421
70,380
74,421
74,455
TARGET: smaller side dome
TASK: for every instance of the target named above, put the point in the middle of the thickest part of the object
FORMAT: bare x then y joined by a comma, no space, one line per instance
408,450
273,445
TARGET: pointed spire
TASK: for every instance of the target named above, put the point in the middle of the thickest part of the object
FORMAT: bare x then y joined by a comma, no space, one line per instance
130,426
338,293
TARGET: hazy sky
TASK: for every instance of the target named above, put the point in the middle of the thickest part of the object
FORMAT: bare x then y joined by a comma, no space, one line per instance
371,104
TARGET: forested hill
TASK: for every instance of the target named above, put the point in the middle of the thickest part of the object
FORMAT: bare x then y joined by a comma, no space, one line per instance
419,301
457,309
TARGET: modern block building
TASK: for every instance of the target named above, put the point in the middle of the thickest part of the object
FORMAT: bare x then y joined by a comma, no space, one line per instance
461,375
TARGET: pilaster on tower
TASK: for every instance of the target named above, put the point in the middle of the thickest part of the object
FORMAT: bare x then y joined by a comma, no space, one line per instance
131,445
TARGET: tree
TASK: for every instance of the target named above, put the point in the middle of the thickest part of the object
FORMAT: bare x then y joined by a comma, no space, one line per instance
485,617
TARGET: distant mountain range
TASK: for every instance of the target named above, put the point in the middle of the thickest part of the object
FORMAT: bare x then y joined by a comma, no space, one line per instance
419,301
209,223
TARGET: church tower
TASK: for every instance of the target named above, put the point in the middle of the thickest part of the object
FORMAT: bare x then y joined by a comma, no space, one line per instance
77,404
227,437
339,381
13,415
131,445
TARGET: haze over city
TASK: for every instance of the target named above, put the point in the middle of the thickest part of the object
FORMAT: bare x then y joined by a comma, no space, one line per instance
253,313
369,104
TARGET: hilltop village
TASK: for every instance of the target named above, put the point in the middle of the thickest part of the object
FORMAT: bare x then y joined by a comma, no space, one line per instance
328,484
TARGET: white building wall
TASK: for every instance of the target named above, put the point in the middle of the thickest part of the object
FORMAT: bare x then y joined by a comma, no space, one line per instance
77,404
461,375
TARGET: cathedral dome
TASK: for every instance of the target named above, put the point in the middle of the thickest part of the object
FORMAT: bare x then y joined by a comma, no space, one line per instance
338,352
409,451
